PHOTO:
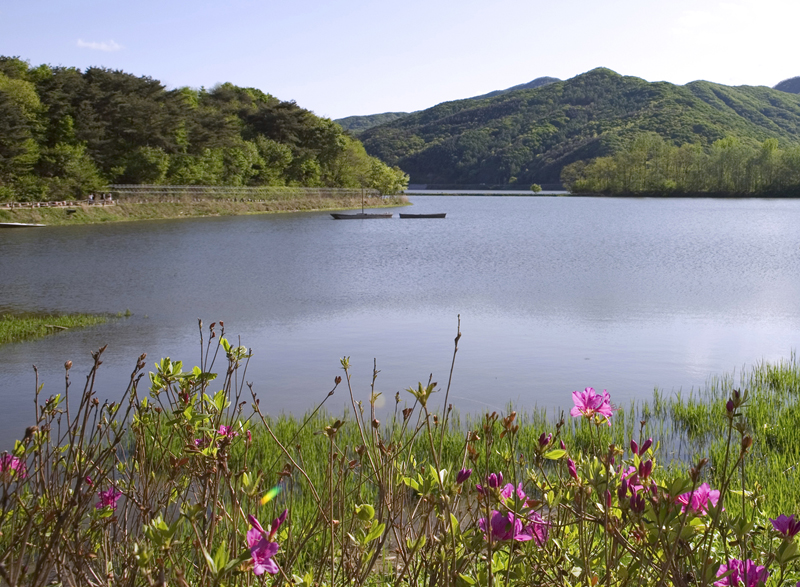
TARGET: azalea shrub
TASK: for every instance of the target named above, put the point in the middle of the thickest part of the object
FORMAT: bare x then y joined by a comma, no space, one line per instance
186,481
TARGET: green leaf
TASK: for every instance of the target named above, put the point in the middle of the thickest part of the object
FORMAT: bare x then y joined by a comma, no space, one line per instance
365,512
374,532
221,556
556,454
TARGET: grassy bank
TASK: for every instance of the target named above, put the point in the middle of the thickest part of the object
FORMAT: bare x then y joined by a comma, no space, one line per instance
124,211
28,327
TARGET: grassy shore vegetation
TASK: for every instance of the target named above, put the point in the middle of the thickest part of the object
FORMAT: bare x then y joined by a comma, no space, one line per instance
189,480
15,328
126,211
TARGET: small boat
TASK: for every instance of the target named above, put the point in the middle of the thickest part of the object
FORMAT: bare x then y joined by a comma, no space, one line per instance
17,225
360,215
439,215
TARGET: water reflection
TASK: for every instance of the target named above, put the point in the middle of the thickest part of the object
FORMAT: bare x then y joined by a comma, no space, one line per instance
555,294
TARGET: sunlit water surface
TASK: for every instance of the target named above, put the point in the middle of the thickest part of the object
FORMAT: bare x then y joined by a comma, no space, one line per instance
555,294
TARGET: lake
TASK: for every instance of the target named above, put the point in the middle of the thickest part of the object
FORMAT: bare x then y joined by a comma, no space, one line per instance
555,294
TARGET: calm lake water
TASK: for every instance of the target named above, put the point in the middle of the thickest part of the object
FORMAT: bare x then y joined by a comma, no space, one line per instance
555,294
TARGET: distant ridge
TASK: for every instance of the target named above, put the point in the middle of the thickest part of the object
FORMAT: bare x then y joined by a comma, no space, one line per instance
528,136
537,83
791,85
359,123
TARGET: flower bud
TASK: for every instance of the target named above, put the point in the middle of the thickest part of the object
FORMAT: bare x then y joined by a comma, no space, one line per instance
622,491
572,470
68,365
634,447
647,444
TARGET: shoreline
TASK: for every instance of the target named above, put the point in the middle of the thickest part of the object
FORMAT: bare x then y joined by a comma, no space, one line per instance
83,213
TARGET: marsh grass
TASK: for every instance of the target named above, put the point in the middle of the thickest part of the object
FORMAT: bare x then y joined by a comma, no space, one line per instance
16,328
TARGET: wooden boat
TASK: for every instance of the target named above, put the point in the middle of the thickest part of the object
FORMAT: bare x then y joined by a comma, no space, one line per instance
17,225
361,216
439,215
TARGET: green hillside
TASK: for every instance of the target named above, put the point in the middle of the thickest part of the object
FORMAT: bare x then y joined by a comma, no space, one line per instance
791,85
531,85
528,136
357,124
65,133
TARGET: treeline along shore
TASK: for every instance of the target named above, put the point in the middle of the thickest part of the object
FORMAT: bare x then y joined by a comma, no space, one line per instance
651,166
67,133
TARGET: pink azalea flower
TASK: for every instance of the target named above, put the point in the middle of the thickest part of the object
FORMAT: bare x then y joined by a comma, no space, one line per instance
508,526
786,525
700,499
262,545
588,403
227,431
108,498
11,466
755,575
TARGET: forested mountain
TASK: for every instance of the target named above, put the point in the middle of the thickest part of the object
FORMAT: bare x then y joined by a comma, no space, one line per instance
357,124
791,85
532,85
66,132
528,136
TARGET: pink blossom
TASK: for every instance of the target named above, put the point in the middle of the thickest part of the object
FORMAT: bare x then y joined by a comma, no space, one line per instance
589,404
700,499
227,431
108,498
262,544
509,526
755,575
11,466
786,525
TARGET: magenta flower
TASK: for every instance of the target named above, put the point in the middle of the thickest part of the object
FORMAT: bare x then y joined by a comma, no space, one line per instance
463,475
744,573
108,498
545,439
647,444
786,525
589,404
227,431
509,526
572,470
262,544
11,467
700,499
634,447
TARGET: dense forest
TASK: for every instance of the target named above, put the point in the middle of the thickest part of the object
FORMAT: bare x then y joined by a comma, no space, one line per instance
653,166
528,136
66,132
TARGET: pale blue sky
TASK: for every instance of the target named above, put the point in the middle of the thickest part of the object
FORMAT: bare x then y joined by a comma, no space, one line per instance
345,57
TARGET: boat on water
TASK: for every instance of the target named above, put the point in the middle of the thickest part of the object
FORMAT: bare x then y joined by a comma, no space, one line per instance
438,215
18,225
361,215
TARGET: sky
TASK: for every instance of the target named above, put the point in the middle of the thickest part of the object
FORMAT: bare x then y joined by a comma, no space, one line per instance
348,57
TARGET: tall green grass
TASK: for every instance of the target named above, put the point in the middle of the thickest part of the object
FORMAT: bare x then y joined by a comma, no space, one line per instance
14,328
